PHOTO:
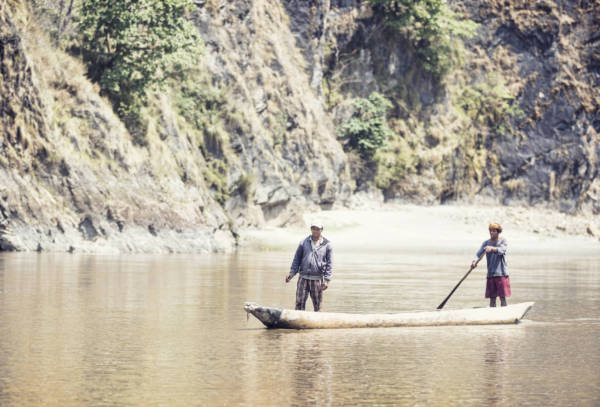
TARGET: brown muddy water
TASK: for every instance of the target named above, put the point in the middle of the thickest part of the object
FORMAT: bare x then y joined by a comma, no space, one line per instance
170,330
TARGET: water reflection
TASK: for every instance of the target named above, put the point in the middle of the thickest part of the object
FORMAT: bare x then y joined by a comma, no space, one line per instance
496,366
311,372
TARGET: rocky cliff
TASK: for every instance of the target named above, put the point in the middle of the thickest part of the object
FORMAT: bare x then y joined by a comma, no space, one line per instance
71,179
287,140
518,121
74,179
250,136
552,50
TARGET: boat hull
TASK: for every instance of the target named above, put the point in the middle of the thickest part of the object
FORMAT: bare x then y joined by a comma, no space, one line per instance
292,319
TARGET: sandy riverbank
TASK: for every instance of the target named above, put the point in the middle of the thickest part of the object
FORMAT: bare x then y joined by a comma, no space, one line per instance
442,227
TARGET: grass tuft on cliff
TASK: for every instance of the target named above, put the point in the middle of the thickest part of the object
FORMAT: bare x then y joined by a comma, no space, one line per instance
431,27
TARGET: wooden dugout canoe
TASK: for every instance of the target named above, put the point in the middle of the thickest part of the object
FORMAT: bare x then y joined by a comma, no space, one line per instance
291,319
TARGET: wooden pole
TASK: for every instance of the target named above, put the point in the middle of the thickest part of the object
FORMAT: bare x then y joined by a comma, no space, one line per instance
461,280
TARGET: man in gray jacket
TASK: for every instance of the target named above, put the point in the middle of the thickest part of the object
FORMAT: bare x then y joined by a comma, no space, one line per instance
313,260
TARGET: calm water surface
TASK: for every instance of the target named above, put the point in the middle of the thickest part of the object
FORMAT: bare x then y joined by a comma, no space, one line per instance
81,330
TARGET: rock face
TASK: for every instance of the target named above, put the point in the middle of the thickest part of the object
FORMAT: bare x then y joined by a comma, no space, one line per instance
288,145
546,57
555,48
72,177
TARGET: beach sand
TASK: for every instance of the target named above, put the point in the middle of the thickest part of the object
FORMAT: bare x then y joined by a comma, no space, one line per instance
442,227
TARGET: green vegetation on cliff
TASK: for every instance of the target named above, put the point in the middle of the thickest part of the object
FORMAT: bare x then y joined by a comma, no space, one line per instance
129,46
367,130
489,103
432,28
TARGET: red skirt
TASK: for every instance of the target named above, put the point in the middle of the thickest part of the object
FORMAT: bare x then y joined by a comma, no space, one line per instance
497,287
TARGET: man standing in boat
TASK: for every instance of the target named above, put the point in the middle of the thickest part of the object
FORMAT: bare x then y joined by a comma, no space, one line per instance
313,261
498,281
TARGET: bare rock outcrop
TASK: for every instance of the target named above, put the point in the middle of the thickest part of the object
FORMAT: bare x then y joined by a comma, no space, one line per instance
289,145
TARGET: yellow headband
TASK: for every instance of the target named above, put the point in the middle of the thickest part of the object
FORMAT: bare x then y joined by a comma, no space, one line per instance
495,226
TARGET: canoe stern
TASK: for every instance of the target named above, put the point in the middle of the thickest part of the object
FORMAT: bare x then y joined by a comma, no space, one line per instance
526,307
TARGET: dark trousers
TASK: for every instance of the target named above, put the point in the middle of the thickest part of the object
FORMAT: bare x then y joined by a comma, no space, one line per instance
306,287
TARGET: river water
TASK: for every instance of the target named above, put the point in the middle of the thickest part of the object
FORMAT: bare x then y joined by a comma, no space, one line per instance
92,330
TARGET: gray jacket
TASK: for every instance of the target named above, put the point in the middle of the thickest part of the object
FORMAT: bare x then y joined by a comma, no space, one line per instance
496,261
313,263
